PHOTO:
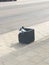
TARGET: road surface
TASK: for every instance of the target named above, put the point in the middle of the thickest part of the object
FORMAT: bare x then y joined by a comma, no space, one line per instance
13,17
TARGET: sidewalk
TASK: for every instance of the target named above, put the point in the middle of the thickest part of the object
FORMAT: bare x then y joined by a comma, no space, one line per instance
20,2
11,38
36,53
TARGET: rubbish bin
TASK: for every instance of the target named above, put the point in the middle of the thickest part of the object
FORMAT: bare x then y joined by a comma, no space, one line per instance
26,37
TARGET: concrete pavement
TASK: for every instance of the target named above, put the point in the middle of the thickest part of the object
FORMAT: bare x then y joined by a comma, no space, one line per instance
11,51
10,38
36,53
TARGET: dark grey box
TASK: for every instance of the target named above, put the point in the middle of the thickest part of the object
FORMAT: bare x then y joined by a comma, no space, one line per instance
26,37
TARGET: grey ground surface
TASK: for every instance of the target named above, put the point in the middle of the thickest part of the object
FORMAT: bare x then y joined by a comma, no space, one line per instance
36,53
13,17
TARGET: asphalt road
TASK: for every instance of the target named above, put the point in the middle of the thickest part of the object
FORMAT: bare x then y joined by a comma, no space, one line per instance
13,17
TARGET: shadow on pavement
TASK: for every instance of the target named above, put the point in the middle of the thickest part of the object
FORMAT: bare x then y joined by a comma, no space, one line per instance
18,45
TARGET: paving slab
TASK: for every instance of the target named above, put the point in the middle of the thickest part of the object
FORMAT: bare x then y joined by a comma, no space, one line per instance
8,38
30,54
43,63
